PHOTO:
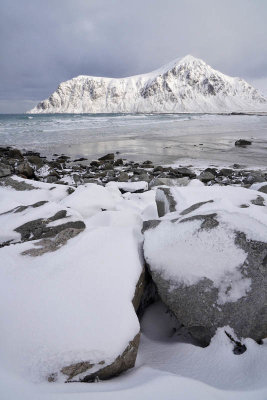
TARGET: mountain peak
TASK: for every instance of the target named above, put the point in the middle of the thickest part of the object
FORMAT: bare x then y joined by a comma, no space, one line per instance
191,59
185,84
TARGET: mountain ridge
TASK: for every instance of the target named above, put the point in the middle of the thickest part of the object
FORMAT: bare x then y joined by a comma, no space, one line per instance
183,85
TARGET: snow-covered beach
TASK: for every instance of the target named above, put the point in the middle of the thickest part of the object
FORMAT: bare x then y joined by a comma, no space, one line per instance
133,200
75,237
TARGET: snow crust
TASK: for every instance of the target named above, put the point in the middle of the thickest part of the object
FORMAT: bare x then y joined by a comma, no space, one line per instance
184,85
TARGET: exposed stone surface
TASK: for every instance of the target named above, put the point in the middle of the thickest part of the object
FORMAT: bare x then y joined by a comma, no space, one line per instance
122,363
165,201
263,189
4,170
206,176
17,185
242,142
25,169
39,229
195,207
50,245
106,157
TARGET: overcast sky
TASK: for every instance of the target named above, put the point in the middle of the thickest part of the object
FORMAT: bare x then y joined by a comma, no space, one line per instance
45,42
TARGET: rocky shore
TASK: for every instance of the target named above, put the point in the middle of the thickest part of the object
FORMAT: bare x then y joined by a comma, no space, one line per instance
111,168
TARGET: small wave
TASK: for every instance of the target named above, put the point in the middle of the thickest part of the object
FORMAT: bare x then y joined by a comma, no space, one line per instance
30,117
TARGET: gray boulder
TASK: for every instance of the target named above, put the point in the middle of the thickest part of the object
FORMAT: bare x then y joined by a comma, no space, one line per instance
263,189
208,259
25,169
200,297
206,176
4,170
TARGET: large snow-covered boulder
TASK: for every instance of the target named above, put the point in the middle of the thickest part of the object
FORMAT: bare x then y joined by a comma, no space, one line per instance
71,278
208,259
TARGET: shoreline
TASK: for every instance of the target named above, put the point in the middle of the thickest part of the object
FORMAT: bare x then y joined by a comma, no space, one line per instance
63,170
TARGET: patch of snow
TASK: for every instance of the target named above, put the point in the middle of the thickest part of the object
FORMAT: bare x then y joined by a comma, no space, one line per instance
90,198
74,305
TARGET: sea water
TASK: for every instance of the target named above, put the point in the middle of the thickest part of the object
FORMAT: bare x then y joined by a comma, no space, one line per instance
162,138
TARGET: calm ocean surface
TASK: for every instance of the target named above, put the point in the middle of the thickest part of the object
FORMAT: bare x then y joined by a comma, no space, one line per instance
164,138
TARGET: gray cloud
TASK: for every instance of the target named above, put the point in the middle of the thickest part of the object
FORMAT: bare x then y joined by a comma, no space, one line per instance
45,42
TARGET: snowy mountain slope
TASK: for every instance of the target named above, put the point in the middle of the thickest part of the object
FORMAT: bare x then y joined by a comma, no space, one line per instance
184,85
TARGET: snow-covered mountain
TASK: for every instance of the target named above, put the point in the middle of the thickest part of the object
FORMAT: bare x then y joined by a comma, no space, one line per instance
184,85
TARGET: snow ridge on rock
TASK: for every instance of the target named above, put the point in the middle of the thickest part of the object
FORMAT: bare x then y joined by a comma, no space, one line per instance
184,85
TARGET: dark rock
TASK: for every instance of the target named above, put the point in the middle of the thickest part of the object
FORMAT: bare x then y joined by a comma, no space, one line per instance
51,179
147,164
123,177
139,290
80,159
4,170
185,172
165,201
23,208
55,165
107,157
213,171
236,166
259,201
25,169
15,153
225,172
254,177
95,181
63,157
239,348
38,229
95,163
206,177
36,160
31,153
158,169
107,166
51,245
118,162
263,189
141,177
242,142
195,207
17,185
70,190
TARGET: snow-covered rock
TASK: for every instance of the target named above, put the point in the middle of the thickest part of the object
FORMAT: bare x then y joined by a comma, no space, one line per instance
207,257
70,281
184,85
